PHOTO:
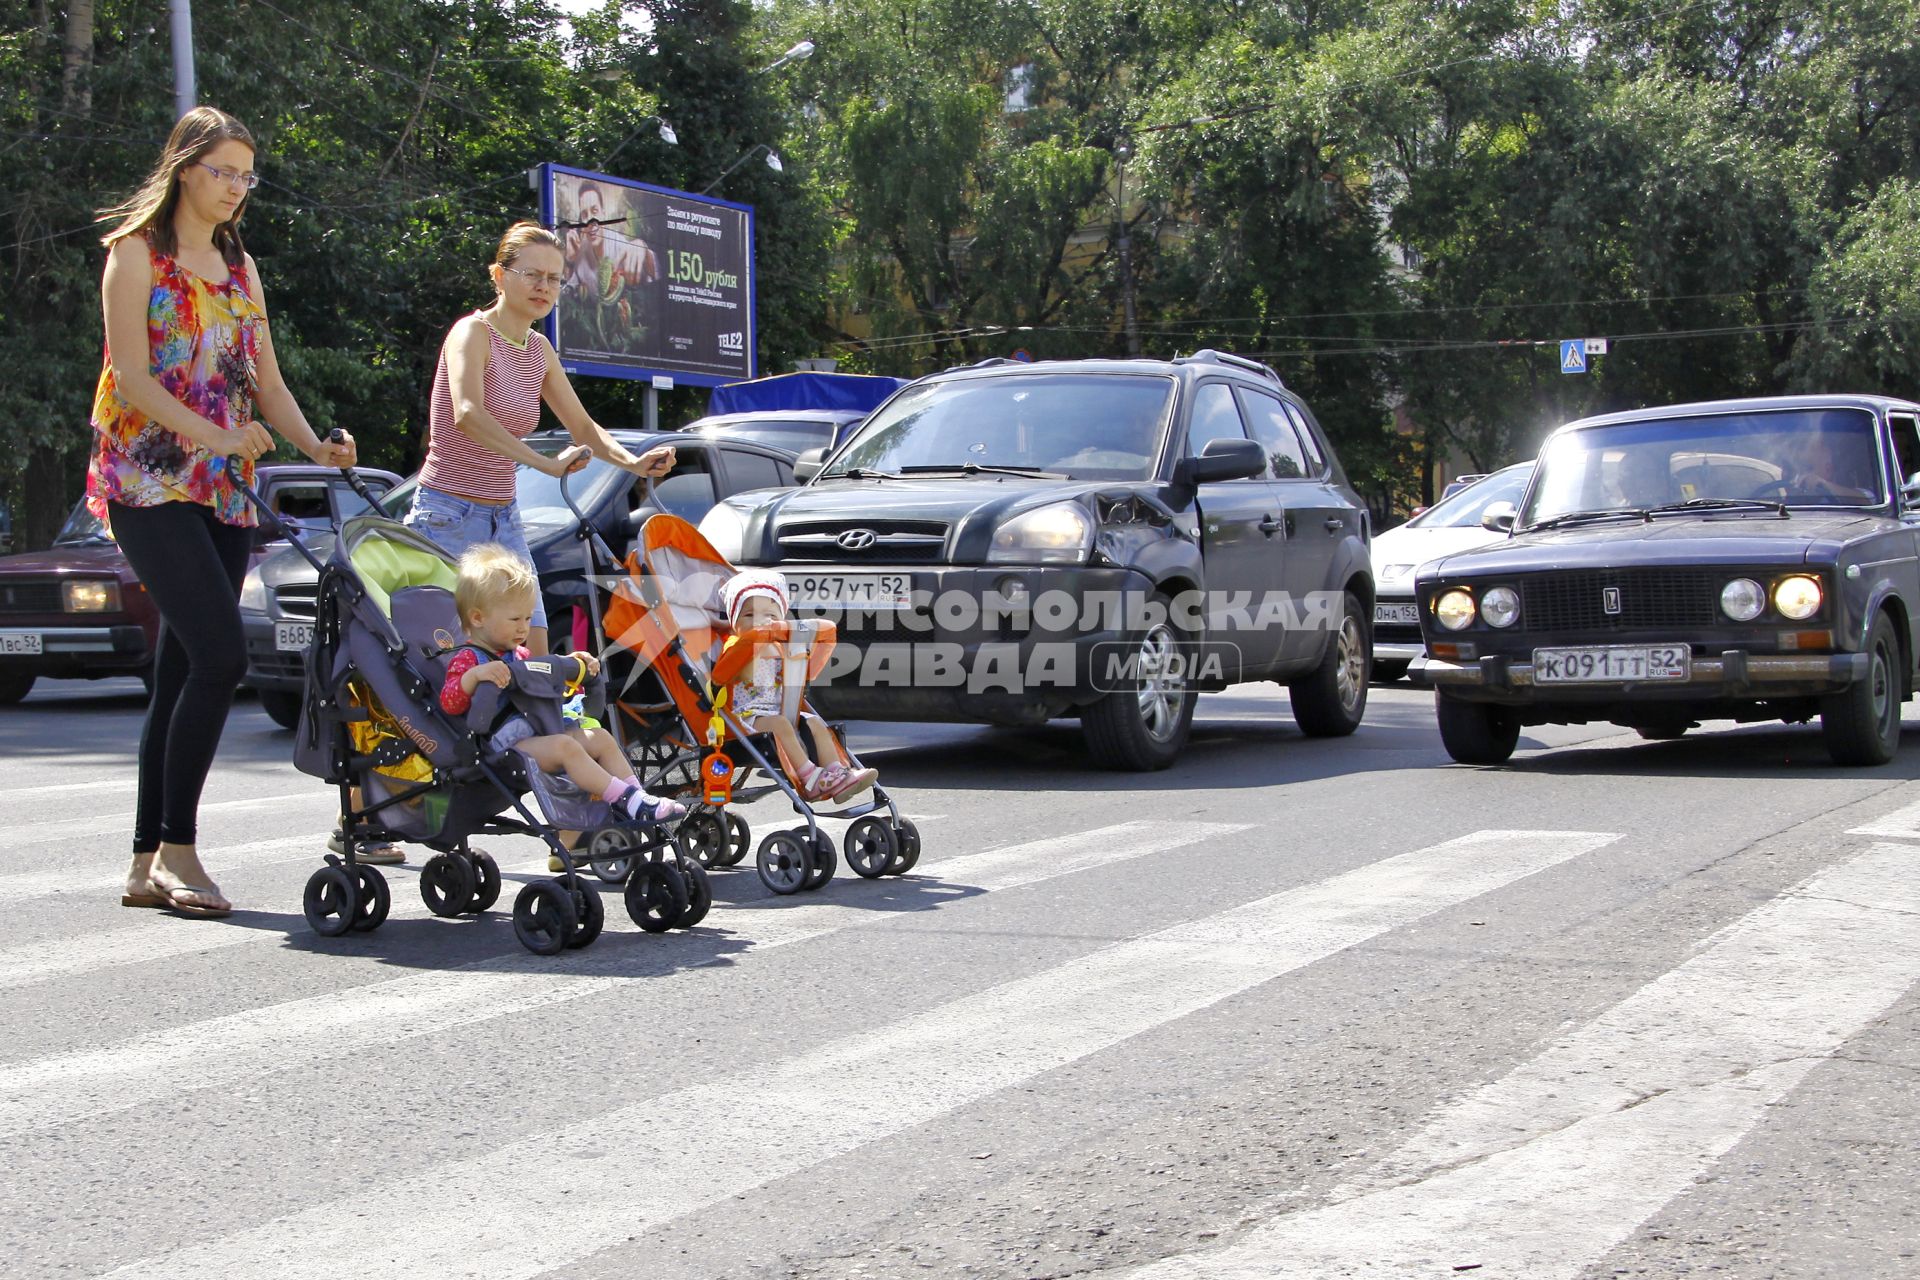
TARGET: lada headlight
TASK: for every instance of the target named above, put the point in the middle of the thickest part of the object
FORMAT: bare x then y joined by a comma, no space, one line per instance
1060,533
1454,609
92,595
1743,599
1797,597
1500,607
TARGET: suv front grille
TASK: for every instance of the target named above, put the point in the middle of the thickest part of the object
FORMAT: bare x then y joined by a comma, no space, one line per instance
893,541
1576,600
297,599
30,597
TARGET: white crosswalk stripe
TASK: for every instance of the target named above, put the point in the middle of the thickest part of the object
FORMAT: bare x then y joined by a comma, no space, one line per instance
936,1062
47,1092
1580,1145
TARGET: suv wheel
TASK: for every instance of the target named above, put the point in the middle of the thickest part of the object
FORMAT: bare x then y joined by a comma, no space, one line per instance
1142,724
15,685
1331,700
1862,725
281,706
1477,732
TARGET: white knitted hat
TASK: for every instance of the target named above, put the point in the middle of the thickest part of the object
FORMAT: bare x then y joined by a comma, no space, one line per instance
750,582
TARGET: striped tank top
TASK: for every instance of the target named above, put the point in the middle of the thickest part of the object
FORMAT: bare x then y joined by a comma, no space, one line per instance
455,463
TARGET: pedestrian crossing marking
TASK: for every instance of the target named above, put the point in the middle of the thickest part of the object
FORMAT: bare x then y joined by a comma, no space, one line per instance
734,1138
62,1088
1582,1144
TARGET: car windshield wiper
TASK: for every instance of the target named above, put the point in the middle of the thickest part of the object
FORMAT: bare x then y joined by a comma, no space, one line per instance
1581,517
861,473
1724,504
975,468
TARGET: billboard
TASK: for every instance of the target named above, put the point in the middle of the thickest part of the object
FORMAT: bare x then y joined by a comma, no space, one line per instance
658,282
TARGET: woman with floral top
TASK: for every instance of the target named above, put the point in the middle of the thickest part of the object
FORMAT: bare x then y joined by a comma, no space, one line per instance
188,374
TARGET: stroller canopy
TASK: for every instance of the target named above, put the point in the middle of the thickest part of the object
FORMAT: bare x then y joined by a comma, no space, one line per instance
387,557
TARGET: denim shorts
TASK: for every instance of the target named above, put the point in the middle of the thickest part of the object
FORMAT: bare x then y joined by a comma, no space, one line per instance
454,524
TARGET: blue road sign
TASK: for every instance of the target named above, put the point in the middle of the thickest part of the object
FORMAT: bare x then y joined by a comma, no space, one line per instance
1573,355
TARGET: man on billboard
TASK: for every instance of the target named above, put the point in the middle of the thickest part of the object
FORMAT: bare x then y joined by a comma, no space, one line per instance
607,268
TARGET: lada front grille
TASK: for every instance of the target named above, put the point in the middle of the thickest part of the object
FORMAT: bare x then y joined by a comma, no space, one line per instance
865,541
30,597
1621,599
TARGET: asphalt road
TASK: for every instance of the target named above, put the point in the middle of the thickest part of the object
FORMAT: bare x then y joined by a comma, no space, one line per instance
1293,1008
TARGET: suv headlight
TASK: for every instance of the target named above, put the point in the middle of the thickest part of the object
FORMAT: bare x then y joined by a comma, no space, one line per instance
1743,599
1797,597
1500,607
253,593
726,529
1454,609
92,595
1060,533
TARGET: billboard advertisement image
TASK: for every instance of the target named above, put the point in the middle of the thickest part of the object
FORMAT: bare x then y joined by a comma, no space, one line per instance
658,282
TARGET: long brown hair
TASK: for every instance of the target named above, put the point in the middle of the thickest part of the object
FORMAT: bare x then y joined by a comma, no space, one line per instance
149,210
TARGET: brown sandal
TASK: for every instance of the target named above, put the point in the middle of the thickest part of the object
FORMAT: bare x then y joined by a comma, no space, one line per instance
169,899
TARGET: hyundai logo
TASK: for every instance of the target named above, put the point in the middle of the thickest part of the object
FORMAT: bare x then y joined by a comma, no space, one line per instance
1610,599
857,539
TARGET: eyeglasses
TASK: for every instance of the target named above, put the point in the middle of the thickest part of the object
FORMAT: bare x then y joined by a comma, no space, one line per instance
548,278
232,177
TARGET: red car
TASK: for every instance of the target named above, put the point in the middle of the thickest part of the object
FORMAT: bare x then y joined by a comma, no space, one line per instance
76,611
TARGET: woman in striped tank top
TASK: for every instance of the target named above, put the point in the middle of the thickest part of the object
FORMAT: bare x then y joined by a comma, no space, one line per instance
495,370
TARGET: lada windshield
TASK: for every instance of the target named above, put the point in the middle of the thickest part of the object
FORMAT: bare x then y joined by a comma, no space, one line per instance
1773,459
1081,426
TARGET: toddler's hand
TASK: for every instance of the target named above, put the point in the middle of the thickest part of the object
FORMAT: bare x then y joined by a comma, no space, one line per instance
592,663
496,672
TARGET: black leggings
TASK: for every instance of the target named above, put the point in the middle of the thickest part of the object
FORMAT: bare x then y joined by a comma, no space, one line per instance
191,565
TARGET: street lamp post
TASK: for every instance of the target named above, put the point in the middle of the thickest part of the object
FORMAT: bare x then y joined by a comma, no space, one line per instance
773,162
1122,151
667,135
799,53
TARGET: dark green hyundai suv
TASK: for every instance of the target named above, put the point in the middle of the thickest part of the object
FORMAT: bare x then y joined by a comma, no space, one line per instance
1010,543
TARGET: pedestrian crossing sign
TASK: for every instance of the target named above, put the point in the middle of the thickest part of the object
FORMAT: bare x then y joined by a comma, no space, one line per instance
1573,355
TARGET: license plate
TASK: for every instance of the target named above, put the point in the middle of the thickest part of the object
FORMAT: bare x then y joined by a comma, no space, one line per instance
22,643
1613,664
1408,614
862,590
290,637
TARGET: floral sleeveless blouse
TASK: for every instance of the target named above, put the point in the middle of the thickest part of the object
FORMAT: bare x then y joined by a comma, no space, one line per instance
203,342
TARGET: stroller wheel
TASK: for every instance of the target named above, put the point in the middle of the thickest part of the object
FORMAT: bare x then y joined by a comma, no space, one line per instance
907,837
870,847
703,838
446,885
656,896
699,894
609,853
825,861
739,841
543,918
785,862
486,874
375,899
590,911
331,902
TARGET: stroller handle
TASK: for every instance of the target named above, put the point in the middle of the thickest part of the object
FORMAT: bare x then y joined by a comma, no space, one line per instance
585,529
359,486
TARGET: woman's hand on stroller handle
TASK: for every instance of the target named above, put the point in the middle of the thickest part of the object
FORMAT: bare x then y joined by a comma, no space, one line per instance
567,461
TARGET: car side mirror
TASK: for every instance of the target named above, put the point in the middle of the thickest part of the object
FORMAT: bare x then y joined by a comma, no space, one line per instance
1224,460
1499,517
808,465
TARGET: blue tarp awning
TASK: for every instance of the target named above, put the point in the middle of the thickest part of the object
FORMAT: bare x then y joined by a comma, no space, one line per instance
858,392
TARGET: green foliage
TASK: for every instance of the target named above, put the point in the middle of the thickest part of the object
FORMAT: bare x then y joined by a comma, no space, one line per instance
1401,204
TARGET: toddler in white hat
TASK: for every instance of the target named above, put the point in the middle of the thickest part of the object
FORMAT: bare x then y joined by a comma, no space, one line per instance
757,598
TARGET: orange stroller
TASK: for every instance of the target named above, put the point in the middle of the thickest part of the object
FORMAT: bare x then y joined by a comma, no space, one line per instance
674,723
